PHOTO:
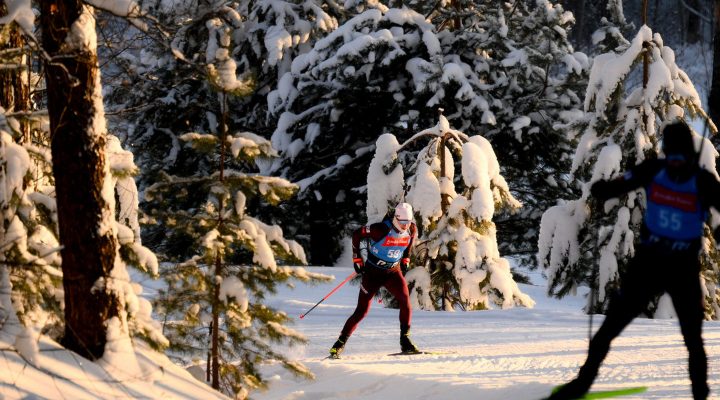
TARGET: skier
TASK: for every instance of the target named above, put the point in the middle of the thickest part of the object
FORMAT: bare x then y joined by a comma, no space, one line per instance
678,194
381,253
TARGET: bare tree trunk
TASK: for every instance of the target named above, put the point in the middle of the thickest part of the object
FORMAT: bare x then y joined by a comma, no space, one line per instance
714,99
78,143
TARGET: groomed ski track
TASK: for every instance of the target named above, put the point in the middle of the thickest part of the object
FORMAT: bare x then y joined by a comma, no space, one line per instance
512,354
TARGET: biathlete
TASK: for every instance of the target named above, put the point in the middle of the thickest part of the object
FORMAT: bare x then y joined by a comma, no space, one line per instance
381,254
678,195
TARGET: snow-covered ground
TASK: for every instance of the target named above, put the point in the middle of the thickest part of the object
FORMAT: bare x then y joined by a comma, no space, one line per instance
517,354
59,374
513,354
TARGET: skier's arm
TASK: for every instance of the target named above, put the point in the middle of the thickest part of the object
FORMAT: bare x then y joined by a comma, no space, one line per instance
405,261
709,189
359,236
636,177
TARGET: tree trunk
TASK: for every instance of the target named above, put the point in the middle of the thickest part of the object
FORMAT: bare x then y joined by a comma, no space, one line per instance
580,28
14,90
714,99
77,129
693,29
321,236
215,338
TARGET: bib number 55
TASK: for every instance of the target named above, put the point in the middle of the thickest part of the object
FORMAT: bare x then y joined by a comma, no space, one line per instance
670,220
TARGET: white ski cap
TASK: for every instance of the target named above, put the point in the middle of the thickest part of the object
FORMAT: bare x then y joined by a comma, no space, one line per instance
404,212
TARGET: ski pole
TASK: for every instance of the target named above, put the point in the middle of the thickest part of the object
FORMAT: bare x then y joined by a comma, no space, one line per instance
329,294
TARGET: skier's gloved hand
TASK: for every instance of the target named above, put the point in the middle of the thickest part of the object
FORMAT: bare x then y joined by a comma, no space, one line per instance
404,265
358,265
601,190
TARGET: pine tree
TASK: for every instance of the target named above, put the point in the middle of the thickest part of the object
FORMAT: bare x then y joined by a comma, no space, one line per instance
35,288
457,262
582,243
610,35
216,289
167,94
232,263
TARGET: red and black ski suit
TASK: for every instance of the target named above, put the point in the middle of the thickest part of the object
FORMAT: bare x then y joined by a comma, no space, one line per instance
661,263
376,272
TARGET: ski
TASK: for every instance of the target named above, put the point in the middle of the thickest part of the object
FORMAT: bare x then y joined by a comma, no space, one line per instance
606,394
413,353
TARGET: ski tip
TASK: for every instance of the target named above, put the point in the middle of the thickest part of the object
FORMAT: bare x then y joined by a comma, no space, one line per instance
607,394
616,393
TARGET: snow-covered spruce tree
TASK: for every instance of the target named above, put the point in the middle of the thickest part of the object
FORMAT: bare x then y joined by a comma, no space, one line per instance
456,261
325,138
610,34
539,78
534,78
167,94
29,258
274,33
29,253
231,264
579,237
394,65
517,58
214,299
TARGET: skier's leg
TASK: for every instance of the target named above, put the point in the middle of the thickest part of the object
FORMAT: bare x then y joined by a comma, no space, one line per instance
618,317
636,291
397,286
684,288
369,285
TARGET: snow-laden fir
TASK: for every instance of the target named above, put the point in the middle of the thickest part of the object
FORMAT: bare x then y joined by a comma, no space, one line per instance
619,130
456,262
